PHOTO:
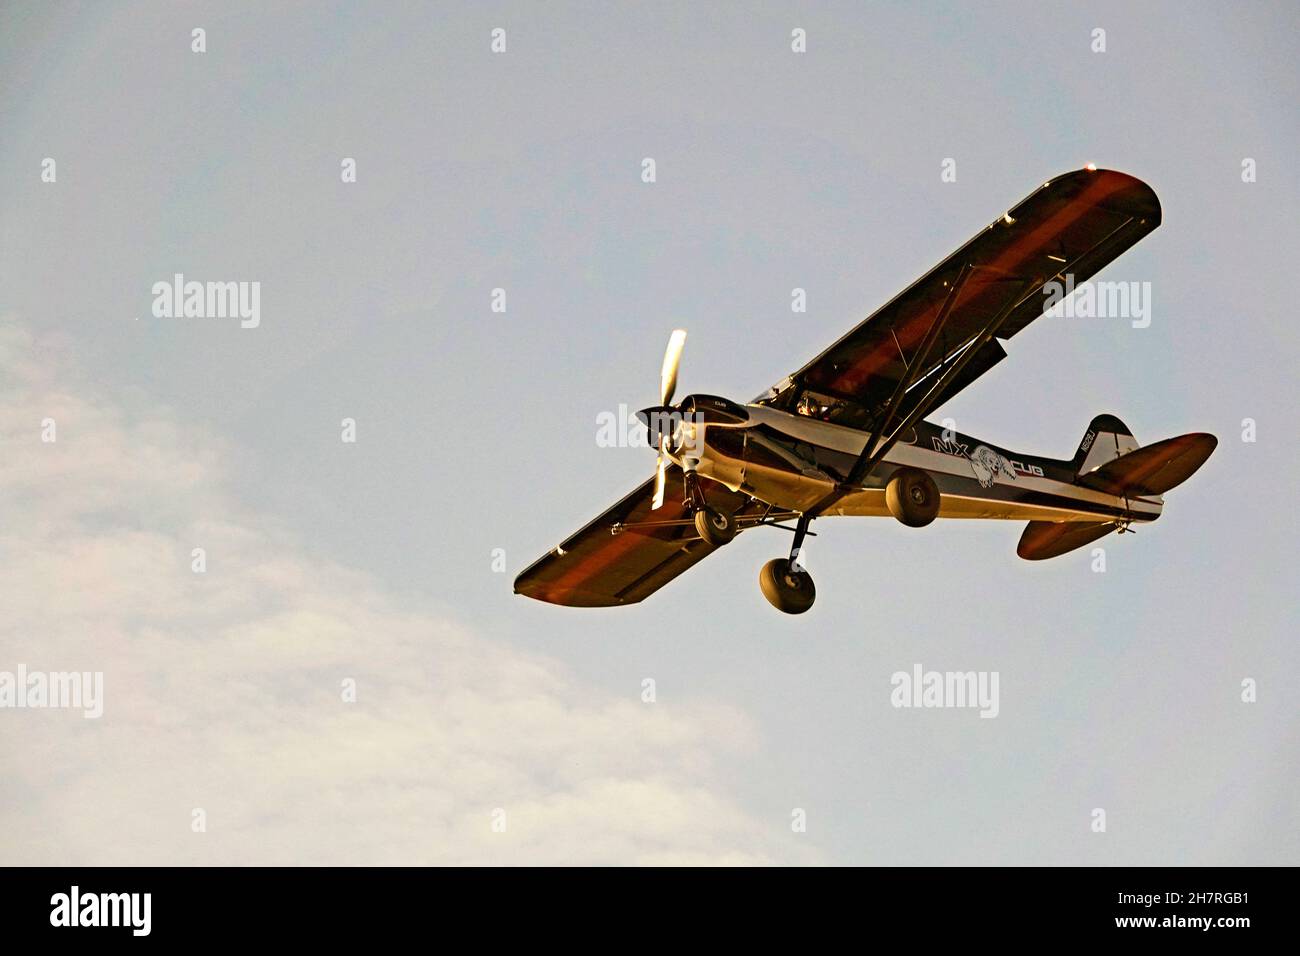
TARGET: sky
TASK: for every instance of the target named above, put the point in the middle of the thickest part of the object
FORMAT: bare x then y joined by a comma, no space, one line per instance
488,728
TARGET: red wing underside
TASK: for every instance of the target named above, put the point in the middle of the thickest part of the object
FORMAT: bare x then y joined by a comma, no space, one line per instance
595,568
1074,224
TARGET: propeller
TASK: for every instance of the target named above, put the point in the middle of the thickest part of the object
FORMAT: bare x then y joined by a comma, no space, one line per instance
667,386
672,359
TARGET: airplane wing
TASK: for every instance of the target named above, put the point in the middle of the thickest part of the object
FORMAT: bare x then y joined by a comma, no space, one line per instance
629,552
886,367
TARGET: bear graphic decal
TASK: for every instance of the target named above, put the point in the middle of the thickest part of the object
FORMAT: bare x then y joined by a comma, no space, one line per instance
987,464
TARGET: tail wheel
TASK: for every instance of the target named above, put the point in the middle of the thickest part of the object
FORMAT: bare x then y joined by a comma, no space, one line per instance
715,527
787,588
912,497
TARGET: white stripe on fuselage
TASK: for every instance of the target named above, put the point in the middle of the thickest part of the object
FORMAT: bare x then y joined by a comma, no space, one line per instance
851,441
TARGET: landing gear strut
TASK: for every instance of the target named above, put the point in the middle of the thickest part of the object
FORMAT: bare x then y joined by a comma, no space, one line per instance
786,585
715,527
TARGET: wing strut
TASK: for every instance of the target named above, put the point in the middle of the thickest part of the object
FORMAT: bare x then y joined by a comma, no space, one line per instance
870,458
883,421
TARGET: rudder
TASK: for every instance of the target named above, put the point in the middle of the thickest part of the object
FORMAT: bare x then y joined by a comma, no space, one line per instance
1106,439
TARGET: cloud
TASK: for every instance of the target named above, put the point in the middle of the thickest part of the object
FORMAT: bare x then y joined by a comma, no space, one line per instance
223,690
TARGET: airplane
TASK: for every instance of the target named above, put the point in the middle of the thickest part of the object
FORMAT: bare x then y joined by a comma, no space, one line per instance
846,435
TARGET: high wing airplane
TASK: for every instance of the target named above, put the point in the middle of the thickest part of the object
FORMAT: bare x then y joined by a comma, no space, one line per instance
845,434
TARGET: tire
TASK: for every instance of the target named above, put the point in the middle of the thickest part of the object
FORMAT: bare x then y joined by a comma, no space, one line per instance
715,527
787,589
912,497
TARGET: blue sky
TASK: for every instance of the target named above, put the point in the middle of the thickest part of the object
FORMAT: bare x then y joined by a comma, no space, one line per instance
476,431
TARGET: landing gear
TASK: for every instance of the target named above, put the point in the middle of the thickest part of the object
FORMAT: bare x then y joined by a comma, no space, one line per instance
715,527
912,497
786,585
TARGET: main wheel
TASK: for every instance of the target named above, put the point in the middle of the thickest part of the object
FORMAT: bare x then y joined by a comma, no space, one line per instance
787,588
715,527
912,497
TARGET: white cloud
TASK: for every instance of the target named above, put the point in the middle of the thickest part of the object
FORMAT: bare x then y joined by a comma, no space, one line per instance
222,690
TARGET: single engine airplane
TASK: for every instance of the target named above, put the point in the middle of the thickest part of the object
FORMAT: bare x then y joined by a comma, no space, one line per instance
845,434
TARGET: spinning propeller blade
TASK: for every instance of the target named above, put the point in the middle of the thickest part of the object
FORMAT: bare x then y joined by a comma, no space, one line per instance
672,359
660,478
667,385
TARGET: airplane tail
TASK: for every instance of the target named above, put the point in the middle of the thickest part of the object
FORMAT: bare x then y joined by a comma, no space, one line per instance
1106,439
1110,460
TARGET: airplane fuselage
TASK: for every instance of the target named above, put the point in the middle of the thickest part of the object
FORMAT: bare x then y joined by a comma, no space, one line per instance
794,461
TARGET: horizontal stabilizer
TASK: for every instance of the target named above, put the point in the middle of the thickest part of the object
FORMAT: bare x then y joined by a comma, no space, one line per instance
1047,539
1152,470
